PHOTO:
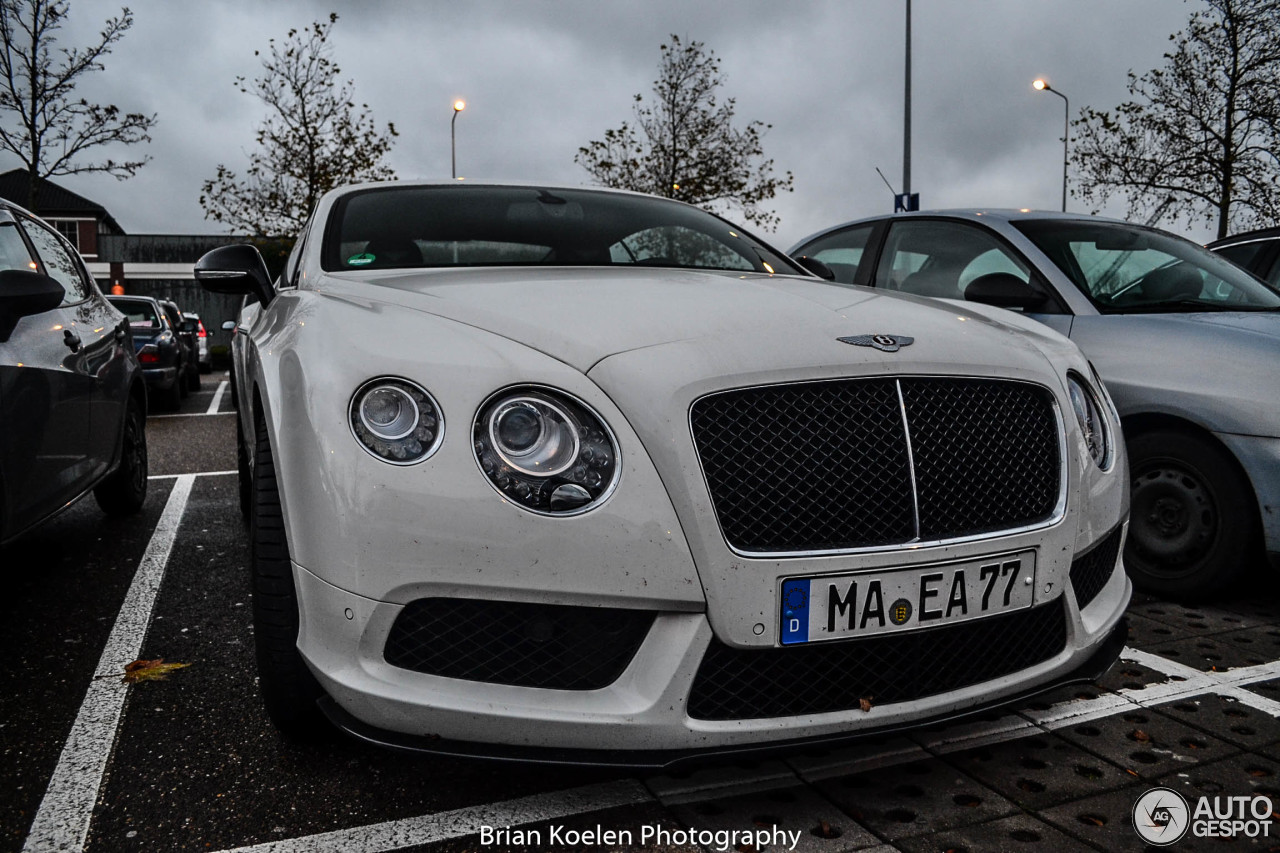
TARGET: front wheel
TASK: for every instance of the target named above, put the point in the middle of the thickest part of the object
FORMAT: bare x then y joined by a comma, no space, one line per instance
124,492
1193,522
289,690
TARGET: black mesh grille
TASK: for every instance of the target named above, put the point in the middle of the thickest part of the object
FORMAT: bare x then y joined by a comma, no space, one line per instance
529,645
986,454
740,684
824,465
1091,571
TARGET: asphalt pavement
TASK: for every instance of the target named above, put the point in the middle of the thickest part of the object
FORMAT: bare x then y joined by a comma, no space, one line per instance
191,762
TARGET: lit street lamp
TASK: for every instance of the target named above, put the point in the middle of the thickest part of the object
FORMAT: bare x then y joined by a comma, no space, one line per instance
458,106
1043,86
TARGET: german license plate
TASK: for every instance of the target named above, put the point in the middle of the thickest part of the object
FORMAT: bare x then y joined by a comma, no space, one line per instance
834,607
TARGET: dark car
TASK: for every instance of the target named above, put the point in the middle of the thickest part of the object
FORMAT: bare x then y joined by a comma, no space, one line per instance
204,358
1256,251
160,352
72,398
185,330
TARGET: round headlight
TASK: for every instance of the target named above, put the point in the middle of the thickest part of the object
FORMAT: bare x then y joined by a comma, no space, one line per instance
396,420
1093,425
545,450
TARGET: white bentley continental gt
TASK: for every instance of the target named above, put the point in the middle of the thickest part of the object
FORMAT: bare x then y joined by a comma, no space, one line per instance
576,475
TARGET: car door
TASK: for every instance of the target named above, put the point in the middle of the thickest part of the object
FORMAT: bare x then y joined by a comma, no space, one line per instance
46,394
939,258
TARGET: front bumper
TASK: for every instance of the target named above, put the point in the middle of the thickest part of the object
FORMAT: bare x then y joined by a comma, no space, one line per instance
642,718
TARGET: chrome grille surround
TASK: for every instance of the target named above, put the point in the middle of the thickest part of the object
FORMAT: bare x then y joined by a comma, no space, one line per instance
889,401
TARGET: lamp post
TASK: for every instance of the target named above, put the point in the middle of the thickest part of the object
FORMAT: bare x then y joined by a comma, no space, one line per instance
1042,85
458,106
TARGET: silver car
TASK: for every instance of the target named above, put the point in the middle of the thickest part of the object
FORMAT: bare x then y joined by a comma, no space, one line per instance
1187,343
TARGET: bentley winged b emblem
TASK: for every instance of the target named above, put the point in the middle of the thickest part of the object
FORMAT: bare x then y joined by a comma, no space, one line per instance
884,343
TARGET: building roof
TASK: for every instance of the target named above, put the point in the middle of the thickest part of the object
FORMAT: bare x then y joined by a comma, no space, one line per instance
53,200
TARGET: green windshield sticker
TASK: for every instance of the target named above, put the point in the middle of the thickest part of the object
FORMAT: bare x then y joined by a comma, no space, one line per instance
360,260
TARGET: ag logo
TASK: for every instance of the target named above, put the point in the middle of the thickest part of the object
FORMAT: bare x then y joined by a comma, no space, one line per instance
1161,816
900,612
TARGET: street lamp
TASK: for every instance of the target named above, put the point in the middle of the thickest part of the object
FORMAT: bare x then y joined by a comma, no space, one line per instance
458,106
1042,85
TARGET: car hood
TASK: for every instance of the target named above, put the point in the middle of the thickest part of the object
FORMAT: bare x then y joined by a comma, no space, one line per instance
583,316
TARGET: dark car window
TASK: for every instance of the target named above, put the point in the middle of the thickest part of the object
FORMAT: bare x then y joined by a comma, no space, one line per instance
1242,254
57,261
444,226
936,258
142,315
842,251
14,254
1130,268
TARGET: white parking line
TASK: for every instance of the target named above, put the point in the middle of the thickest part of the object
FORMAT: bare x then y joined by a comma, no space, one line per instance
196,474
217,398
62,821
428,829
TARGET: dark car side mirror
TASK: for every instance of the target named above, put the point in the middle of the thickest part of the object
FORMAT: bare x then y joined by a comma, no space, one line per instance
1005,290
816,267
235,269
187,326
24,293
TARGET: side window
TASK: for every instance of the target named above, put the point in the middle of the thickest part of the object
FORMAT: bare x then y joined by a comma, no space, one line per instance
940,259
14,254
842,251
56,261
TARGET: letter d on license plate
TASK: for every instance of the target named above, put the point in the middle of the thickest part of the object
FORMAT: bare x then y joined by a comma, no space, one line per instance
833,607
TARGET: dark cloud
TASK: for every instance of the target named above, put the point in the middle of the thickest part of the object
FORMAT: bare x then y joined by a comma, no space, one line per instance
542,78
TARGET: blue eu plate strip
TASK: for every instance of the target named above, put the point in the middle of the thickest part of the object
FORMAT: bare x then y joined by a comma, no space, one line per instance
795,611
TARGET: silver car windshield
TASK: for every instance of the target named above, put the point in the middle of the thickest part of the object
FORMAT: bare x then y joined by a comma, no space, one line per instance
1132,269
468,226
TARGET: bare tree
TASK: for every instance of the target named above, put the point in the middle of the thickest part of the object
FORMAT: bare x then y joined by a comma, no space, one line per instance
313,139
685,146
43,121
1201,135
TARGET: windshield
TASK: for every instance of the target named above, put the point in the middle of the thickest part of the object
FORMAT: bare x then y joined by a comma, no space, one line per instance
1131,269
470,226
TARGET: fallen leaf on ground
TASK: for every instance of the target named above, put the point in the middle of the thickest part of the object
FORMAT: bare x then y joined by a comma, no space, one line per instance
149,670
1140,735
865,703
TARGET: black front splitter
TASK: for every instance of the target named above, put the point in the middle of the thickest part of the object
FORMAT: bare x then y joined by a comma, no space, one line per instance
1091,670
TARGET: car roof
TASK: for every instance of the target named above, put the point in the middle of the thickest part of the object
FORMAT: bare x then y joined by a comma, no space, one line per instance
970,214
1247,237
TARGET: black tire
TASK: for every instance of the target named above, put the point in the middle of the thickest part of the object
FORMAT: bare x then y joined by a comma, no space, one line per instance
183,390
125,490
244,479
193,379
289,690
1193,522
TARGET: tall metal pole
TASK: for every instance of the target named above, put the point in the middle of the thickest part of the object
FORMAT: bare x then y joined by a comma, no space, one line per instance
453,143
906,111
1066,136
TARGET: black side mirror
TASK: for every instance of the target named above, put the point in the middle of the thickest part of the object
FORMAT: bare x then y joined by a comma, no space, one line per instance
187,326
235,269
816,267
24,293
1005,290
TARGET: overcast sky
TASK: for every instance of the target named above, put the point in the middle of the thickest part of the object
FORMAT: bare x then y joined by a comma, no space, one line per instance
543,77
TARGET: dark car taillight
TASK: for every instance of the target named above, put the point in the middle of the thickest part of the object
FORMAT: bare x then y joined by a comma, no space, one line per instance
150,354
200,329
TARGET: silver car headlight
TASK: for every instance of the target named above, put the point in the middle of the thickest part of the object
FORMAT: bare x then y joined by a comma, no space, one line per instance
396,420
545,450
1093,424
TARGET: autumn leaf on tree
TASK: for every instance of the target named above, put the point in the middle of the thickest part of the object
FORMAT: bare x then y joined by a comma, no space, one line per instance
149,670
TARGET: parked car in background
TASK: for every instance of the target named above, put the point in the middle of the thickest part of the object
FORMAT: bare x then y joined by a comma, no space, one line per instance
587,475
160,353
1256,251
186,333
204,359
72,398
1187,343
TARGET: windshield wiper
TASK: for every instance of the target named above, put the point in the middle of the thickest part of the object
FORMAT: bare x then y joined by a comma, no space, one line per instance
1184,306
